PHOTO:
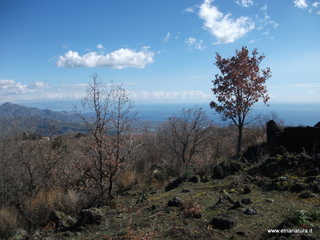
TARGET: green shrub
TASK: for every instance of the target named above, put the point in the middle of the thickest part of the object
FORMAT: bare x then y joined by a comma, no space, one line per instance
300,217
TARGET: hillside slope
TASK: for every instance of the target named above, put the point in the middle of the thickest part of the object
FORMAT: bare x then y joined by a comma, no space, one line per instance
15,119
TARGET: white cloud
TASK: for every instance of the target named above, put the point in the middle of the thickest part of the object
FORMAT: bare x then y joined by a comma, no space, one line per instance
100,46
169,95
190,41
300,3
118,59
167,37
265,22
306,85
197,44
245,3
189,9
11,87
316,4
223,27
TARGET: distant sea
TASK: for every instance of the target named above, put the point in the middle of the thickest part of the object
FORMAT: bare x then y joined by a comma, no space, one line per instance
293,114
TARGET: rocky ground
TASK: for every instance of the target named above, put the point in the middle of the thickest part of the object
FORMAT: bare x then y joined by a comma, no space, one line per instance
240,206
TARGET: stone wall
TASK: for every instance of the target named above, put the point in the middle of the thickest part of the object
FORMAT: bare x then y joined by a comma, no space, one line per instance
294,139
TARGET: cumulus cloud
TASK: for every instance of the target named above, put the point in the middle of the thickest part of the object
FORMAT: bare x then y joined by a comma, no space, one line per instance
193,42
245,3
222,26
11,87
300,3
118,59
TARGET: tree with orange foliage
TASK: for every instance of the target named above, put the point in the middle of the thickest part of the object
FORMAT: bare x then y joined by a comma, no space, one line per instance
239,86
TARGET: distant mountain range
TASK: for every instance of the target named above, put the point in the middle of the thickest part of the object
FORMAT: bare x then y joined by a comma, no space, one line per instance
15,119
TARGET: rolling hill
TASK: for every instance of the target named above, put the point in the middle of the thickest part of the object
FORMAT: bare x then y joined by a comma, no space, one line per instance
15,119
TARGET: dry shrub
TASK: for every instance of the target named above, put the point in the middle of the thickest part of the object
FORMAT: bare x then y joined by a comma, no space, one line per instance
39,206
191,208
126,180
8,221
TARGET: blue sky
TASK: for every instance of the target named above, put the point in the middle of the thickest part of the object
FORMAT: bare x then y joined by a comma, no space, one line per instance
163,51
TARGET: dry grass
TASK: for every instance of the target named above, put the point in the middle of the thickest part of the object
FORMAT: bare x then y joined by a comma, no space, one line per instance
127,179
8,221
41,204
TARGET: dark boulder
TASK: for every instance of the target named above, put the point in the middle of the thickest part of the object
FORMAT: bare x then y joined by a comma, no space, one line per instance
297,187
174,184
60,219
226,168
257,153
246,201
307,195
223,221
91,216
175,202
194,179
247,189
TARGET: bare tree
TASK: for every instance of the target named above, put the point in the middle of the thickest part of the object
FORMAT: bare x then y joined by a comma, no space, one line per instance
184,136
109,128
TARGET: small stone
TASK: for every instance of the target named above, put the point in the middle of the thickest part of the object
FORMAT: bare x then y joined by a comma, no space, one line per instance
185,190
246,201
270,200
175,202
194,179
237,204
67,234
241,233
152,207
247,189
282,178
141,199
250,211
297,187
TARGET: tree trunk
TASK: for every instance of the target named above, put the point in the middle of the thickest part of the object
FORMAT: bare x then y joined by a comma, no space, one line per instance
240,128
110,188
